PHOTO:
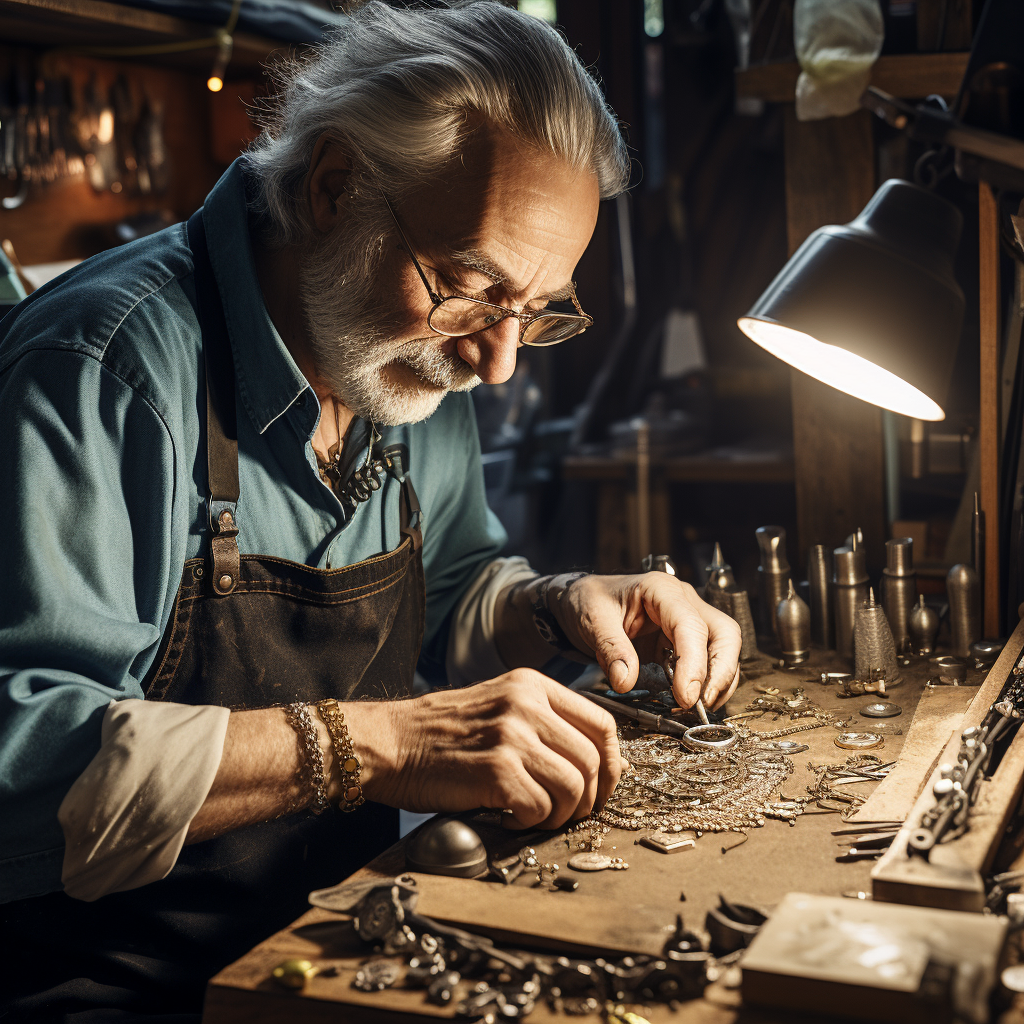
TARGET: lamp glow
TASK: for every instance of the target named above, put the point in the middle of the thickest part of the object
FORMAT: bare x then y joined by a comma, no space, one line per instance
215,83
843,370
872,308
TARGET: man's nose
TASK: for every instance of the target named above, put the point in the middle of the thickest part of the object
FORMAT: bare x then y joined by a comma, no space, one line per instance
492,352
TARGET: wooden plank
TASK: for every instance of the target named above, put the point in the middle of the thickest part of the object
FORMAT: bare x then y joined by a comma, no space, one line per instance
951,878
939,714
909,76
944,25
838,449
988,427
86,23
683,469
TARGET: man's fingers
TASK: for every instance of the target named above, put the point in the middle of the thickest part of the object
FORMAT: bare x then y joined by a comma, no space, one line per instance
723,655
561,780
728,691
518,792
598,726
577,748
601,628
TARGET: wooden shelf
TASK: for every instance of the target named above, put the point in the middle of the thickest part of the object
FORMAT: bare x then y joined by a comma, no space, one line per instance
908,76
95,23
704,468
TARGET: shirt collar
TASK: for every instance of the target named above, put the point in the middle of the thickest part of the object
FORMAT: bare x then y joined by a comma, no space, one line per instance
269,381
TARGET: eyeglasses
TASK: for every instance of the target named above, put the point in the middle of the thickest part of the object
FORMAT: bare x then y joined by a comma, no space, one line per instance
455,316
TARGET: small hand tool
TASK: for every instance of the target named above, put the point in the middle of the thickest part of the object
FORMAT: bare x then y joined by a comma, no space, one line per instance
646,719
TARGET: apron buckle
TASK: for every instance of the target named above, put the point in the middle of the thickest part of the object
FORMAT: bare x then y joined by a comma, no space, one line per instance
227,562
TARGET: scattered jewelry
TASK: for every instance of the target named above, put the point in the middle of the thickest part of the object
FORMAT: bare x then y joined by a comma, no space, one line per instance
881,709
669,842
785,746
669,788
859,740
590,861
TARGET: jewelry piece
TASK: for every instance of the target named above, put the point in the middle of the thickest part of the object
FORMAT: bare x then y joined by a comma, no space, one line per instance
618,864
881,709
859,740
349,765
785,746
311,771
711,737
589,862
668,842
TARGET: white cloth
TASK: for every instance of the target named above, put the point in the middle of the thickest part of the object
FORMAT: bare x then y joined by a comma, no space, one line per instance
472,653
126,816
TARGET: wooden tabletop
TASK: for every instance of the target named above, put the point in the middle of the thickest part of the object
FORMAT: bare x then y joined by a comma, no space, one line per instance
615,911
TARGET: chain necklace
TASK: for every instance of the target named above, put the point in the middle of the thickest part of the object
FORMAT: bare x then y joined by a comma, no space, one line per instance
365,479
669,787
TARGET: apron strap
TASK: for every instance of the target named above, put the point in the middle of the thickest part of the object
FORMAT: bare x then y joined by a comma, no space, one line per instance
221,426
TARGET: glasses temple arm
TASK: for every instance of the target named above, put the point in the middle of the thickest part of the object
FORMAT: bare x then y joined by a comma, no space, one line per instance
434,297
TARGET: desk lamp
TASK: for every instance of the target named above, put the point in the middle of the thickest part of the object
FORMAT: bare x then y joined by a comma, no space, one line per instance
872,307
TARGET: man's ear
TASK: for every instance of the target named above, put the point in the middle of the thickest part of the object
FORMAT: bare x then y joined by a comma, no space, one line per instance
326,183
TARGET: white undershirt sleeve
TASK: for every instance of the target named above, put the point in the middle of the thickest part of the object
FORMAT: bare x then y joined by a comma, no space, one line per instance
472,653
126,816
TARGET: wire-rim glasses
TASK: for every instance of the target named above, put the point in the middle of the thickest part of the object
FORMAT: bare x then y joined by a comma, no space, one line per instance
456,316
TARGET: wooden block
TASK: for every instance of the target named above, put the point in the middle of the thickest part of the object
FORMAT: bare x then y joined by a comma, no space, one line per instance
909,76
867,961
951,877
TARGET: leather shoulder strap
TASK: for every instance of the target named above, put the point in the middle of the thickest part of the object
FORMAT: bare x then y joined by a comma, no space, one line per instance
221,424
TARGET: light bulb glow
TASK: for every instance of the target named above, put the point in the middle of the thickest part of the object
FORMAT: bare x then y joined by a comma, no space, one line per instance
214,83
843,370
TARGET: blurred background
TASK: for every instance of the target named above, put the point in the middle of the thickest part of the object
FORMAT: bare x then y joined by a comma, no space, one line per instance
662,428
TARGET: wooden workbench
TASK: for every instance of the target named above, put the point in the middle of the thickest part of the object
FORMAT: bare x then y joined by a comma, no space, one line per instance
617,911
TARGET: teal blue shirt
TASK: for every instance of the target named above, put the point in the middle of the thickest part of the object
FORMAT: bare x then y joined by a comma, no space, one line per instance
103,498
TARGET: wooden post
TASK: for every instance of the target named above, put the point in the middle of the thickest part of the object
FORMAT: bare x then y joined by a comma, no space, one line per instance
988,427
838,448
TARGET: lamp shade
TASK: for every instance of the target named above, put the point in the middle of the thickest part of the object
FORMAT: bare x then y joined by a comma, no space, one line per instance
872,307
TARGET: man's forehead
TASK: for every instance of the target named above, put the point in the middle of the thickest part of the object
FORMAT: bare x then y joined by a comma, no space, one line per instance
502,204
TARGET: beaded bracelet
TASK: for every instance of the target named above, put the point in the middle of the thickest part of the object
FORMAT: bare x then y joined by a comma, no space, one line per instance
349,766
311,771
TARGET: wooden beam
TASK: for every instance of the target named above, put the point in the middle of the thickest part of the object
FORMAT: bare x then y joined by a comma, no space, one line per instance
838,449
988,428
910,76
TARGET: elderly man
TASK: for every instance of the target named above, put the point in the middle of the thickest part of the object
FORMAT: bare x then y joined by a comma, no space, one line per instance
243,485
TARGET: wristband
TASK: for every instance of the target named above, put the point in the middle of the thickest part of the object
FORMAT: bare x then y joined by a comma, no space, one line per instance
349,765
311,771
544,620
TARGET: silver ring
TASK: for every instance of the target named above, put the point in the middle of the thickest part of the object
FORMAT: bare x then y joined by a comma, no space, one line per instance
859,740
710,737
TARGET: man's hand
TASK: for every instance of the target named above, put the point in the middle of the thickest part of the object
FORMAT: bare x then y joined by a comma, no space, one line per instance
521,742
628,619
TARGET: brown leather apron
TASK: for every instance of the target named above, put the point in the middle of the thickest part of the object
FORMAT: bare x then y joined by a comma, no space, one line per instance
247,631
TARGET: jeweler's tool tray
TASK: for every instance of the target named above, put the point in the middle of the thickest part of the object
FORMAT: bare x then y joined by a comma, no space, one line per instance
611,911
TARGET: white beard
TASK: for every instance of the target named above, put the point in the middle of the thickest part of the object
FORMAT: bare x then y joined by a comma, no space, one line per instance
353,341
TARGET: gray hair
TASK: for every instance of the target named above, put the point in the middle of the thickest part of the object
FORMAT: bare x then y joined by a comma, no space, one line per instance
395,88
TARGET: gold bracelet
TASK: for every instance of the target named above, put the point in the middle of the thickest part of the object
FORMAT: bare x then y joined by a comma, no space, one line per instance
349,766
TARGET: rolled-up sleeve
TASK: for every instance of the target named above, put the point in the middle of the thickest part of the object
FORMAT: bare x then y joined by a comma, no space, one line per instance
86,471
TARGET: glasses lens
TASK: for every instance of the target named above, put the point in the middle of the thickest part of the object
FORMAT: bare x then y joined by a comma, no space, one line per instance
553,328
456,317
